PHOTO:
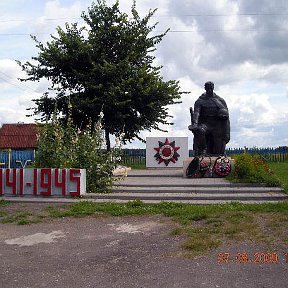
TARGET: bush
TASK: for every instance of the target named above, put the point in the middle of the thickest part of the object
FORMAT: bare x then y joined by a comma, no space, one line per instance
62,146
252,169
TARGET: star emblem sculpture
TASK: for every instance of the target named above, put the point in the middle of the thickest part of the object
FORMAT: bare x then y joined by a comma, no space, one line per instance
166,152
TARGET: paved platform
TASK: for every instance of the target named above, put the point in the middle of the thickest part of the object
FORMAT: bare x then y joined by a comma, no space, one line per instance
173,178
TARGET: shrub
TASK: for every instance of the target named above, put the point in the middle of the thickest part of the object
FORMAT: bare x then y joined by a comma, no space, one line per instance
62,146
252,169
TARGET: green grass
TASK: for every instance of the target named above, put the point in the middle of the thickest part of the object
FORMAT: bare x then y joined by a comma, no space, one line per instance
280,169
183,213
3,213
3,202
18,217
18,213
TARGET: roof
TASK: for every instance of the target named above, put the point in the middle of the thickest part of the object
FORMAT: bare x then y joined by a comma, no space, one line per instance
18,136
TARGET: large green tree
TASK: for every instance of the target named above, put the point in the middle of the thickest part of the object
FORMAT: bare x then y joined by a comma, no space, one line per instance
107,65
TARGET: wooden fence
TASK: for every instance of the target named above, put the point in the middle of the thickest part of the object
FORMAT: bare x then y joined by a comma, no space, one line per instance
280,154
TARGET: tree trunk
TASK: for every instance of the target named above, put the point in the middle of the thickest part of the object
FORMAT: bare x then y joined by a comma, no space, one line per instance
107,139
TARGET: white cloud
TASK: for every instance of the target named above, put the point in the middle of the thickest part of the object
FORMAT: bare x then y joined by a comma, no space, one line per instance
55,14
10,68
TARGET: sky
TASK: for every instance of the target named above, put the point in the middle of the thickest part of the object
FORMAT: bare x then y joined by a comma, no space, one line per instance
239,45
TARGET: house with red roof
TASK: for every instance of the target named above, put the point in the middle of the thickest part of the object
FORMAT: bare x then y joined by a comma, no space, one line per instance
18,143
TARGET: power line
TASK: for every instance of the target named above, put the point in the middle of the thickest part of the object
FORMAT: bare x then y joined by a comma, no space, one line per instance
226,30
225,15
11,81
15,85
33,20
172,31
23,34
179,16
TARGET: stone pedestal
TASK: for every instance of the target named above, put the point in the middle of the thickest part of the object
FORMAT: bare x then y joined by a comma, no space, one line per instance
207,167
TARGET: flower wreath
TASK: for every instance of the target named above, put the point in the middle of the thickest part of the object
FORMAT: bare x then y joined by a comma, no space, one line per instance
222,166
204,165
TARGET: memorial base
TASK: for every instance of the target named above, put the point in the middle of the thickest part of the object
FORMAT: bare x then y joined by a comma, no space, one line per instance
209,167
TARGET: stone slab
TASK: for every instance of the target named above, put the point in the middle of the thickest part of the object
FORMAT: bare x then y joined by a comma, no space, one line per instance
121,171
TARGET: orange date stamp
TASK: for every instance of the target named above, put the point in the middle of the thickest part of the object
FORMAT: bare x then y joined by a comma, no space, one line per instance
255,258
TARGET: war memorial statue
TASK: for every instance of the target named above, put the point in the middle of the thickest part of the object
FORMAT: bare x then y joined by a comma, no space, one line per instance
210,123
210,126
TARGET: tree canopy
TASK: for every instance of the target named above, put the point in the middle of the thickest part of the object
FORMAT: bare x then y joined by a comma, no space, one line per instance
106,65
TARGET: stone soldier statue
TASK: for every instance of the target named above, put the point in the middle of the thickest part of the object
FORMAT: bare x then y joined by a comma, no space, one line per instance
210,123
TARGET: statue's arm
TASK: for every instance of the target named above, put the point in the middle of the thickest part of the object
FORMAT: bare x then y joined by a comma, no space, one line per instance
227,128
224,104
222,101
227,131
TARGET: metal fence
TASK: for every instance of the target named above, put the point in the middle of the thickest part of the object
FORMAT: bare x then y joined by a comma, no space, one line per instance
280,154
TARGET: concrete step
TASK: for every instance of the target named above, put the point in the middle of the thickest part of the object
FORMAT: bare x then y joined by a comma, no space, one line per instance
178,181
269,196
54,200
191,202
193,189
155,186
185,184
